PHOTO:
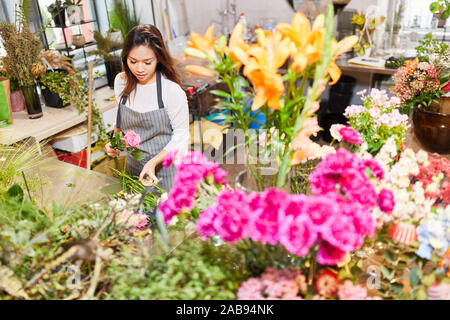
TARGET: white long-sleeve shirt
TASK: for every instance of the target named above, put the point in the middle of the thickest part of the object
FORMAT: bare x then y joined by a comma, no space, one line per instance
175,102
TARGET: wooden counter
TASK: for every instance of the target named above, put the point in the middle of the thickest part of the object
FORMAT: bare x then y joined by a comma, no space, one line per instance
54,120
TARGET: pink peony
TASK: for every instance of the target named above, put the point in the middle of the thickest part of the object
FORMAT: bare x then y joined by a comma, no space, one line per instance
350,135
386,201
132,139
170,157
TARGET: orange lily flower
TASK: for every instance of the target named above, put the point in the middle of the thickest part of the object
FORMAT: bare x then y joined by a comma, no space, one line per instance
200,71
343,46
237,48
204,43
307,42
262,62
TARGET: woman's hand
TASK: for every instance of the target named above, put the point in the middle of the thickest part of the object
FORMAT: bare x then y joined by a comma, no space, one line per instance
113,153
147,176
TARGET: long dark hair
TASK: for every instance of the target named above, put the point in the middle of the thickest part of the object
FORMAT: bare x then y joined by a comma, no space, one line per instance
147,35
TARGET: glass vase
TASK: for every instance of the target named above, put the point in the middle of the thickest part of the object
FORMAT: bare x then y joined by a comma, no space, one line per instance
32,101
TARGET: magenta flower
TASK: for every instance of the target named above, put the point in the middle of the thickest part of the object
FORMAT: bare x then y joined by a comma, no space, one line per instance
205,222
386,201
350,135
168,160
375,168
329,255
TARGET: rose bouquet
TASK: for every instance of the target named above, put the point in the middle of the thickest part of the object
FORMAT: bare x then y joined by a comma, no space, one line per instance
377,120
128,142
308,52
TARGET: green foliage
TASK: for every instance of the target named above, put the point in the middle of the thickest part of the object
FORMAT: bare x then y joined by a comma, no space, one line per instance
437,5
22,13
196,270
105,46
436,52
71,89
299,181
121,17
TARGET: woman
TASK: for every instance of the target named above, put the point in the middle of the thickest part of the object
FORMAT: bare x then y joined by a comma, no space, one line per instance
152,103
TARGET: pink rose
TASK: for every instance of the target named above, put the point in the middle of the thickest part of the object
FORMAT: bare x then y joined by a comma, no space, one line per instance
132,139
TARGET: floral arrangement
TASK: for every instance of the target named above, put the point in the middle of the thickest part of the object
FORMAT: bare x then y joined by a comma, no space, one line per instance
417,83
129,142
377,120
298,222
312,52
290,284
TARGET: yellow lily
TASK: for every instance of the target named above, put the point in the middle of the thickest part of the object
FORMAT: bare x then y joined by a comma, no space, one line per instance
204,43
343,46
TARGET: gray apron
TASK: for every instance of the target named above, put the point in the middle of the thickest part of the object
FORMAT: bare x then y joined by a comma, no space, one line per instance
155,131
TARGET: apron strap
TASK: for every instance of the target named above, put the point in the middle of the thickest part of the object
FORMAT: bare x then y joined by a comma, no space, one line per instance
123,101
159,90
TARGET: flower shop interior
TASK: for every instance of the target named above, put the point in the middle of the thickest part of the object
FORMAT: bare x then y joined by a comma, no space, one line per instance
317,159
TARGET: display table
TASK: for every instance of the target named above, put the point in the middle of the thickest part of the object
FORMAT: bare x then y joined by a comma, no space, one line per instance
54,120
348,67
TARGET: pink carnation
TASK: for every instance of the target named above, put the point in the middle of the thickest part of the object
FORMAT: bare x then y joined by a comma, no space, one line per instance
329,255
350,135
132,139
298,234
205,222
386,201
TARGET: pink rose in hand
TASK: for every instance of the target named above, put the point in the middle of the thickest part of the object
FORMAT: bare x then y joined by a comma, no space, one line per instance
132,139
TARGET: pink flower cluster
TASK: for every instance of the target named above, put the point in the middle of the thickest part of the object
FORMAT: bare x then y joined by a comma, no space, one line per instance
349,291
350,135
193,168
274,284
436,166
336,218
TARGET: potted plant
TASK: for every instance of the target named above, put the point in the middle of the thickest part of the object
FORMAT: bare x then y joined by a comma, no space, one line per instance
423,85
121,17
114,35
74,11
105,49
55,87
22,62
58,12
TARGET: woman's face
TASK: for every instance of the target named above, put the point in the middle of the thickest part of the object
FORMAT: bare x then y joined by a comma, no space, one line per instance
142,62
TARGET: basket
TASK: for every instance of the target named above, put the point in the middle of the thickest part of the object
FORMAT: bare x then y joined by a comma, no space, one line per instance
105,166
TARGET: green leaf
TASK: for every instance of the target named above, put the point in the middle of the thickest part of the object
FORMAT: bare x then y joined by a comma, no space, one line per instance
389,255
16,192
221,93
386,272
137,154
434,6
396,287
428,280
446,13
413,277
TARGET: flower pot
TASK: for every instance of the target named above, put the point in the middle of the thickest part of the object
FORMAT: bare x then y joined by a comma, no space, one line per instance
32,102
17,101
75,14
59,17
78,40
432,129
113,67
52,99
115,37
